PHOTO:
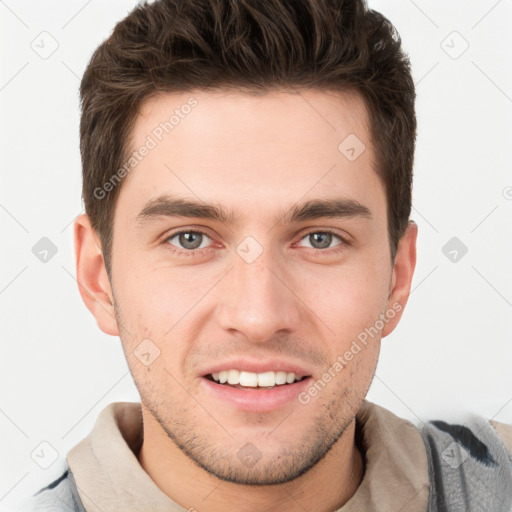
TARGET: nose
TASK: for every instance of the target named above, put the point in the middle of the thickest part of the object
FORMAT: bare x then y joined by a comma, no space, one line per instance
257,299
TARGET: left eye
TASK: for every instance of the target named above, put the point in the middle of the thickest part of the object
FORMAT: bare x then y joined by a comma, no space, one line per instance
321,239
189,240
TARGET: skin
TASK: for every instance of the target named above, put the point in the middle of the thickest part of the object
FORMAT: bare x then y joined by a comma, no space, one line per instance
258,156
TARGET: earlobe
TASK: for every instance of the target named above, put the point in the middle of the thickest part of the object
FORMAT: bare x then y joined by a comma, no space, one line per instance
403,271
93,282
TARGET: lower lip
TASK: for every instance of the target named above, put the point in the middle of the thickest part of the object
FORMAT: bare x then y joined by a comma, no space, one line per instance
257,400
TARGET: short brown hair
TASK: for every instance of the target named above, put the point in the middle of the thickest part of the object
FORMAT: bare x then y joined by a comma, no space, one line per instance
258,45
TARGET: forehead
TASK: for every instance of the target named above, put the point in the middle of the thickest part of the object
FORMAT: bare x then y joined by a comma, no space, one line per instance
269,117
233,146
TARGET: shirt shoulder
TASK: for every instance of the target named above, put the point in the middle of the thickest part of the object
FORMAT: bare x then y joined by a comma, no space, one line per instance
470,463
61,495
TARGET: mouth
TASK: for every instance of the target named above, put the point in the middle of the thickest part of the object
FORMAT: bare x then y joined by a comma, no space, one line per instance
240,379
258,392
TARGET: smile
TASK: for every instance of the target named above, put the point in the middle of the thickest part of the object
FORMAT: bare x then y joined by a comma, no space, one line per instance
245,379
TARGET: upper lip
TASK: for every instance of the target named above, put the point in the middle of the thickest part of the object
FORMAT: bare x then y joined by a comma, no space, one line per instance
258,366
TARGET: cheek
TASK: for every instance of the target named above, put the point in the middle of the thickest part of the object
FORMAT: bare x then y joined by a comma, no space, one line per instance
161,305
156,298
349,298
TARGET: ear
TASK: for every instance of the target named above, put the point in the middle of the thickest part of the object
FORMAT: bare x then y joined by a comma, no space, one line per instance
403,270
92,277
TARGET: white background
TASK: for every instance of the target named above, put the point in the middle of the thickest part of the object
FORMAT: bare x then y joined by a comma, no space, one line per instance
450,355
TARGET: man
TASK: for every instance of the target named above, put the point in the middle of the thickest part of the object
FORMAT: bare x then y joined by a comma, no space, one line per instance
247,173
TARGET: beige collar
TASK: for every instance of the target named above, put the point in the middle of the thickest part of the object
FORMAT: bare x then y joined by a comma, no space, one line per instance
109,477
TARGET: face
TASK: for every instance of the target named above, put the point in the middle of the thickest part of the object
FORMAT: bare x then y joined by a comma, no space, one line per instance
250,244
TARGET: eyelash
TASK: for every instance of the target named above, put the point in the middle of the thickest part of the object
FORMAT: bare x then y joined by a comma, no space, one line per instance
193,252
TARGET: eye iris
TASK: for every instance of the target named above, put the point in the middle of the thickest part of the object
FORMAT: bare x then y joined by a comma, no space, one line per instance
185,240
325,240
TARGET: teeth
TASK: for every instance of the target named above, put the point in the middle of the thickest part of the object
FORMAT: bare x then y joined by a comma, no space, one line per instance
249,379
280,377
266,379
233,377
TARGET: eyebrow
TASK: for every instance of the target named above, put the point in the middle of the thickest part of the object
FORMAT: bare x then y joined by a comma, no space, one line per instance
171,206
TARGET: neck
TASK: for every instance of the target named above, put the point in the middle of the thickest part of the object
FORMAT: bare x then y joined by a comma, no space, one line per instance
324,488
